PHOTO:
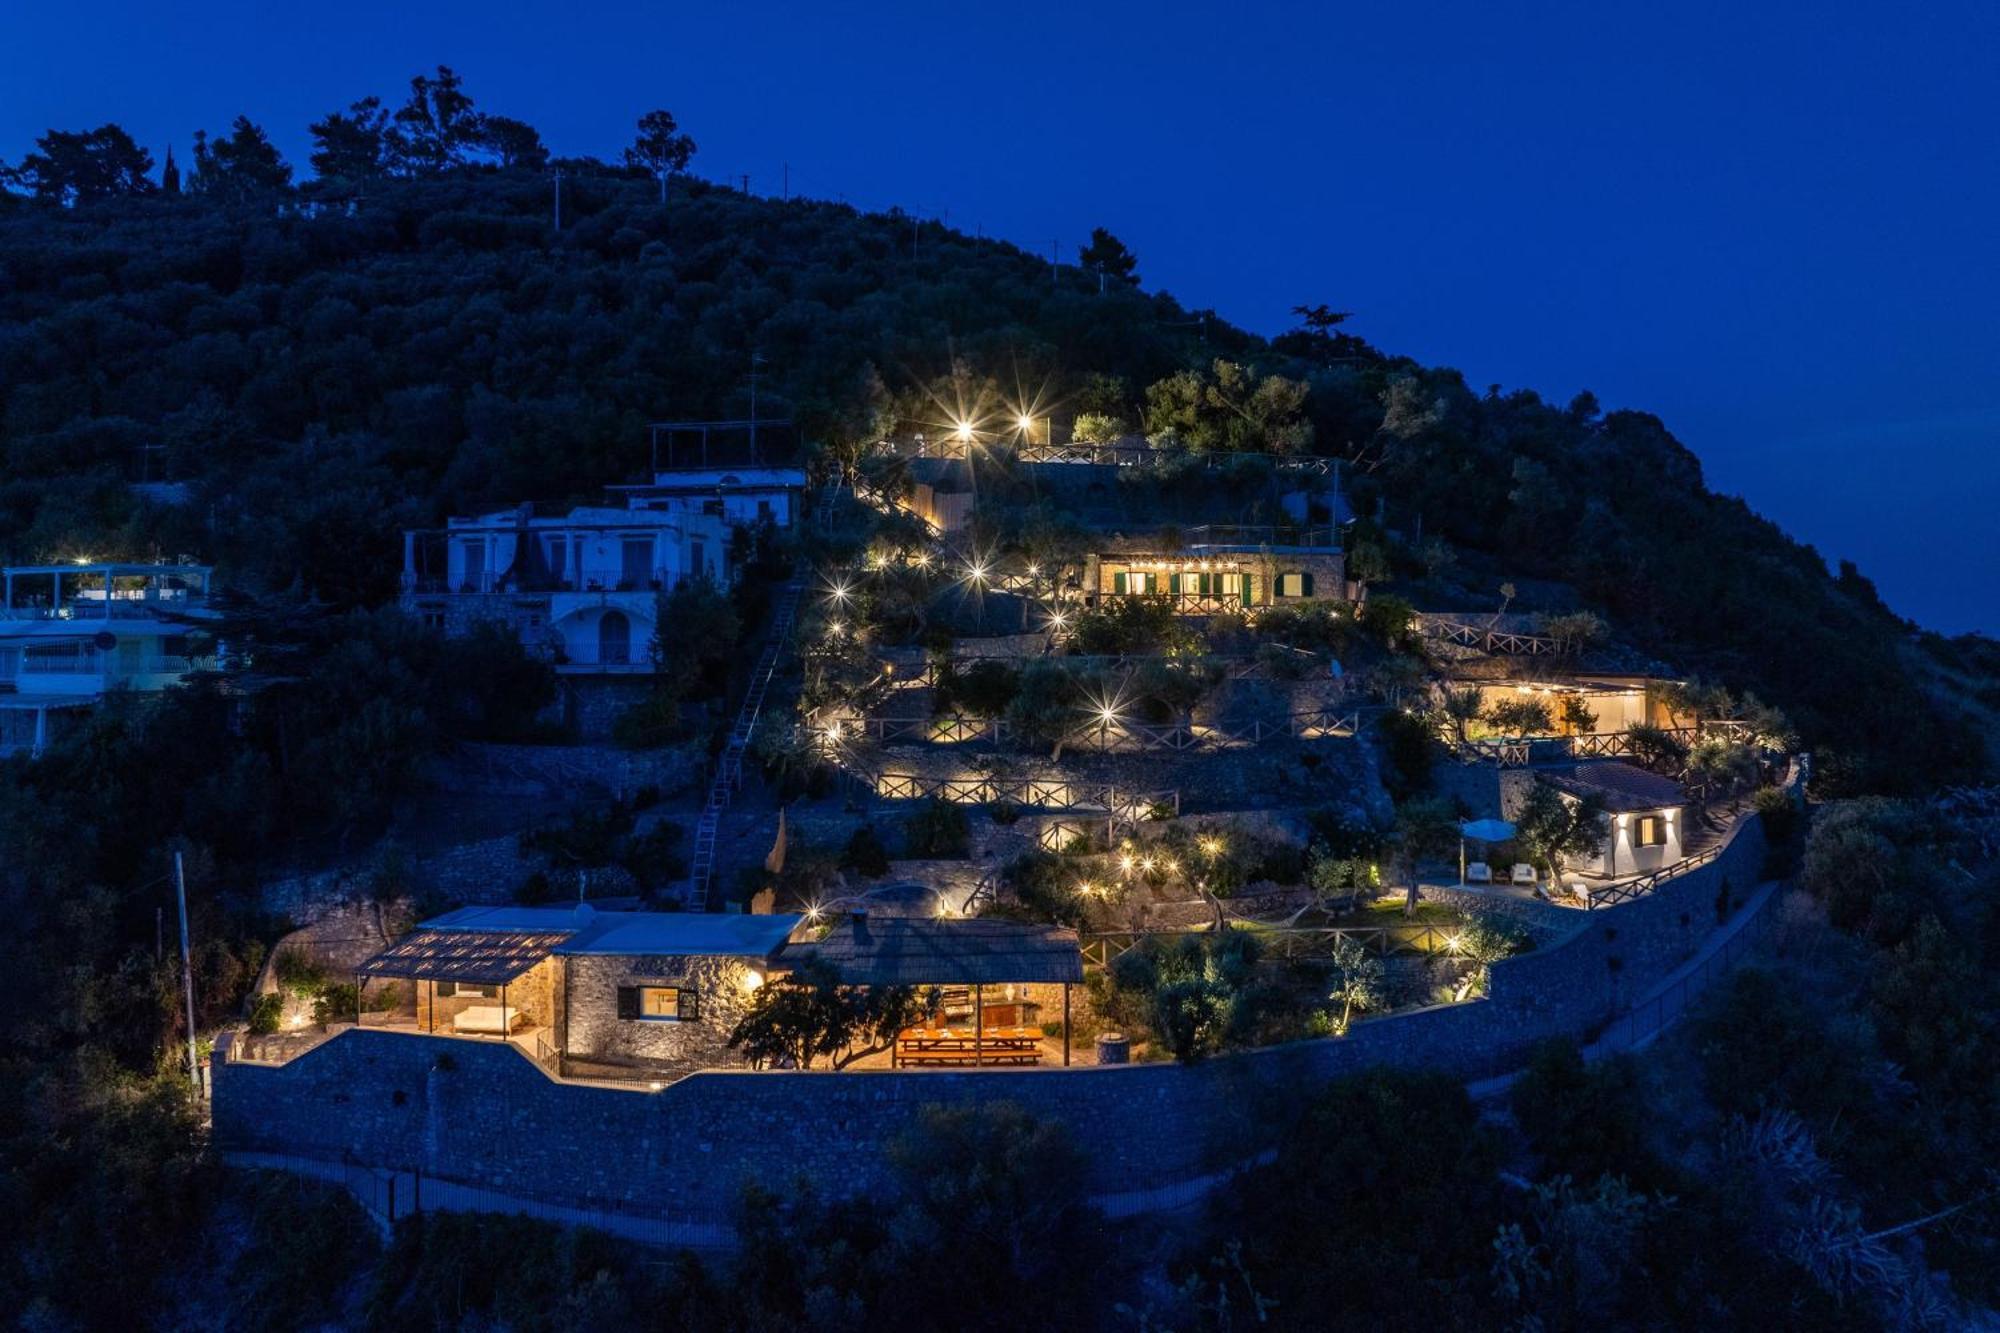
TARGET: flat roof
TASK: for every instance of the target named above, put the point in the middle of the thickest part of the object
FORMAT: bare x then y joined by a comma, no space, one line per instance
933,951
588,931
480,957
112,566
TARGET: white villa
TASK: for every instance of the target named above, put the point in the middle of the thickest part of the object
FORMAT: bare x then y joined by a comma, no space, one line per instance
69,633
580,590
1643,813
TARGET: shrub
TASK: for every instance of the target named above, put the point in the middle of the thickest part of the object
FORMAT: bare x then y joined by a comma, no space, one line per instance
1780,814
864,853
534,889
939,829
1582,1120
265,1011
299,972
339,1002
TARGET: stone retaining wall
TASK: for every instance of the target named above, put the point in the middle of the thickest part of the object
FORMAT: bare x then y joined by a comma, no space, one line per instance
482,1113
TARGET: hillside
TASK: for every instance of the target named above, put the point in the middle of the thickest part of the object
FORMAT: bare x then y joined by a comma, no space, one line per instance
442,350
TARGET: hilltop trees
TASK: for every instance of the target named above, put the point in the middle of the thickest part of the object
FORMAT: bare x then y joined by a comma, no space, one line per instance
1107,257
661,149
239,165
435,130
512,143
83,166
348,144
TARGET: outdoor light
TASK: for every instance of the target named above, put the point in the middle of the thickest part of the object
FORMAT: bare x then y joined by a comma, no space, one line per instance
1211,845
813,913
1454,943
963,432
1146,864
751,980
1125,863
656,1086
836,628
1034,571
977,573
840,592
83,560
1108,714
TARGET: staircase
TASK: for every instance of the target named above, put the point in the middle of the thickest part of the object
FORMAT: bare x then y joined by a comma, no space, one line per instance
728,774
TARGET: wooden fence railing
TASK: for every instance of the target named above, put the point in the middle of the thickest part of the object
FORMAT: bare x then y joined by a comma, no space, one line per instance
1520,752
1052,794
1485,638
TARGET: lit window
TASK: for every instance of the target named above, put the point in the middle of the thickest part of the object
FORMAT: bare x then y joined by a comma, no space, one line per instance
660,1004
1649,831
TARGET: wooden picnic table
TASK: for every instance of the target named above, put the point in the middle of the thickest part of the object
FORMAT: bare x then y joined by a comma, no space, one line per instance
964,1046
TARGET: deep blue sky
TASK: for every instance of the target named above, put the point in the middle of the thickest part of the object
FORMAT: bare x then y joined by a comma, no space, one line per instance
1775,230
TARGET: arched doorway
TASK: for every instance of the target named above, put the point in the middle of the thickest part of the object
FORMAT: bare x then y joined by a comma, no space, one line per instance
614,638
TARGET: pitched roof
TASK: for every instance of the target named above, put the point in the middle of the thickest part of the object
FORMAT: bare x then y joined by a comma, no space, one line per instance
929,951
1619,785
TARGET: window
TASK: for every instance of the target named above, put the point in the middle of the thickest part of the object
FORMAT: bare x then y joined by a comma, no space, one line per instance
475,565
558,554
697,560
763,511
659,1004
466,991
635,562
1295,585
1649,831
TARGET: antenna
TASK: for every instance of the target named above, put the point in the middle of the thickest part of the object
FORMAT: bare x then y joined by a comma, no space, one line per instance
558,181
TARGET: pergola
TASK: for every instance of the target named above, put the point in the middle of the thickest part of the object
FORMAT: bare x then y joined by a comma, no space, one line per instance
976,952
471,957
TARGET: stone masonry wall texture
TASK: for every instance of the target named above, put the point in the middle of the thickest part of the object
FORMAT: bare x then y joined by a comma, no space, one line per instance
483,1114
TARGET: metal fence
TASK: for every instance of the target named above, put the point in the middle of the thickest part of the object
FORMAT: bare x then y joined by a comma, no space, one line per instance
1659,1011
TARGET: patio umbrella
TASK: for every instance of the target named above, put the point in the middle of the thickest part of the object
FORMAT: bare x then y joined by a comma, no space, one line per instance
1480,830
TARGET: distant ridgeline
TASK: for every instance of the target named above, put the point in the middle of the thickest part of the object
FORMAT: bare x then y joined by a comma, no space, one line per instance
314,380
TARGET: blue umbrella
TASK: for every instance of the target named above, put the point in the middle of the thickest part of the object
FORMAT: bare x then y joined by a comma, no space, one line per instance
1480,830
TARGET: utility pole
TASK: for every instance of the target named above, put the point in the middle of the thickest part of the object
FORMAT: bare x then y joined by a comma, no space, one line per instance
1052,261
187,972
558,180
746,182
787,192
756,360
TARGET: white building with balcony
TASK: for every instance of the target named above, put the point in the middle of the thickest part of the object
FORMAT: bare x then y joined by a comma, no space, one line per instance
581,591
70,633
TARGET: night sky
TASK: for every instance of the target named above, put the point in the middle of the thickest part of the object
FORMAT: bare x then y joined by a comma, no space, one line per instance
1776,231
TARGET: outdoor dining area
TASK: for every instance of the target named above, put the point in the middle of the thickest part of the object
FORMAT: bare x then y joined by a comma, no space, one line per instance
995,982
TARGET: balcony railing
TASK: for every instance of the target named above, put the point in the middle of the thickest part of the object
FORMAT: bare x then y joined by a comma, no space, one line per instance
494,584
96,608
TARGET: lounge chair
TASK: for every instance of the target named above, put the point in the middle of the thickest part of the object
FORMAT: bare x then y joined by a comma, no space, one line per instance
486,1018
1479,873
1524,874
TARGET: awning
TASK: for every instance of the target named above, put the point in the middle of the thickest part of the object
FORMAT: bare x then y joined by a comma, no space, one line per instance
479,957
1487,830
